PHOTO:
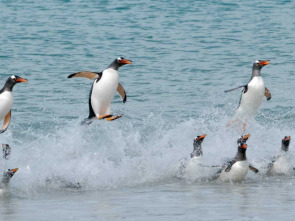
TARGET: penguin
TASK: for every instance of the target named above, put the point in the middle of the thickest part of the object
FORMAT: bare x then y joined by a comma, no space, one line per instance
282,164
235,170
251,97
6,151
6,100
103,89
197,152
6,177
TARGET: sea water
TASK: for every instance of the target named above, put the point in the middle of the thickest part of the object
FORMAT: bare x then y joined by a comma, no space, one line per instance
185,54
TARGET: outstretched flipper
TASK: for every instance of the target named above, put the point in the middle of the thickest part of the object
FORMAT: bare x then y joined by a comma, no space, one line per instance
6,122
267,94
242,86
122,92
228,168
253,169
86,74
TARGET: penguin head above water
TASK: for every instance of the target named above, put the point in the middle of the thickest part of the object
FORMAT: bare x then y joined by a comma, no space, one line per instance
243,138
11,81
241,154
198,146
285,143
7,175
257,66
118,62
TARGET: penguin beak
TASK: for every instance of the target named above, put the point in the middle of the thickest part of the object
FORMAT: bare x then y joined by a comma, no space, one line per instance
14,170
125,61
246,137
202,137
244,146
266,62
287,138
21,80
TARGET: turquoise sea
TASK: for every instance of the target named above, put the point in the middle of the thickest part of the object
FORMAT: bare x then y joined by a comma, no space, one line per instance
185,54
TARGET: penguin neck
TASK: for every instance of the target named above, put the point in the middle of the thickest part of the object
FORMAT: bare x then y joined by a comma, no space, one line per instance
8,86
241,154
115,65
284,148
256,72
197,150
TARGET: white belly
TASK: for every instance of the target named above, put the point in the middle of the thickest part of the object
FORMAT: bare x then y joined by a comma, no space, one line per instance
251,100
237,173
104,91
282,166
6,101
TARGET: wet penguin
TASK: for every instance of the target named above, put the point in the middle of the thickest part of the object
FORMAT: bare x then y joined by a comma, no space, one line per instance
252,96
236,169
6,151
6,100
197,152
6,178
103,89
282,164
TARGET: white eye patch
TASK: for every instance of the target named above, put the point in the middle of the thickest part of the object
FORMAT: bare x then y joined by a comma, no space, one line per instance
257,62
13,77
119,59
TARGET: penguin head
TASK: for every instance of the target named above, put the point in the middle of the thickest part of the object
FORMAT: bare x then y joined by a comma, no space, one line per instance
15,79
199,139
9,173
243,138
242,147
118,62
285,143
260,63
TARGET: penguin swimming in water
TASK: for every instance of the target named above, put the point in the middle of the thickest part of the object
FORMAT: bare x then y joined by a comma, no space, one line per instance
282,164
6,178
251,97
6,100
103,89
197,152
236,169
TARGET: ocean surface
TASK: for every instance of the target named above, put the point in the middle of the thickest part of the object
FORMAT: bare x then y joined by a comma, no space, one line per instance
185,54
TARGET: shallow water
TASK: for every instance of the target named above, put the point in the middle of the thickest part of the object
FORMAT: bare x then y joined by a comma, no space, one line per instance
184,56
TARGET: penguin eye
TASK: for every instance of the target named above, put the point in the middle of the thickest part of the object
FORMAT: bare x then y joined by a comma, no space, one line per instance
13,77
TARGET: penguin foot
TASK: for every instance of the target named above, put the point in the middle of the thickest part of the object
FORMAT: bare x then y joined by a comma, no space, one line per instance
100,117
114,117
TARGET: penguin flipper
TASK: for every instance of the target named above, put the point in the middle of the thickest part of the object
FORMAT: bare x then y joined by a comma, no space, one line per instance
229,165
255,170
267,94
6,122
244,86
86,74
122,92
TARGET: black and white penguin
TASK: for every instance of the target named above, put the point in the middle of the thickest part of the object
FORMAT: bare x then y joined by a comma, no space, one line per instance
6,178
197,152
252,96
103,89
236,169
282,164
6,100
6,151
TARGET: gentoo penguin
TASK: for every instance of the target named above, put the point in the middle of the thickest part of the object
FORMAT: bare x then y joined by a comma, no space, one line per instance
103,89
6,100
198,146
282,164
6,177
252,96
6,151
236,169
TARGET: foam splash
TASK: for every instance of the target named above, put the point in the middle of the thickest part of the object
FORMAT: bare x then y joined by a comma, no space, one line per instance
124,153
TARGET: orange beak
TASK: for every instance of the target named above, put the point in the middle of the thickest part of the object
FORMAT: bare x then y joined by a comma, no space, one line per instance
202,136
287,138
266,62
244,146
125,61
14,170
21,80
246,137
